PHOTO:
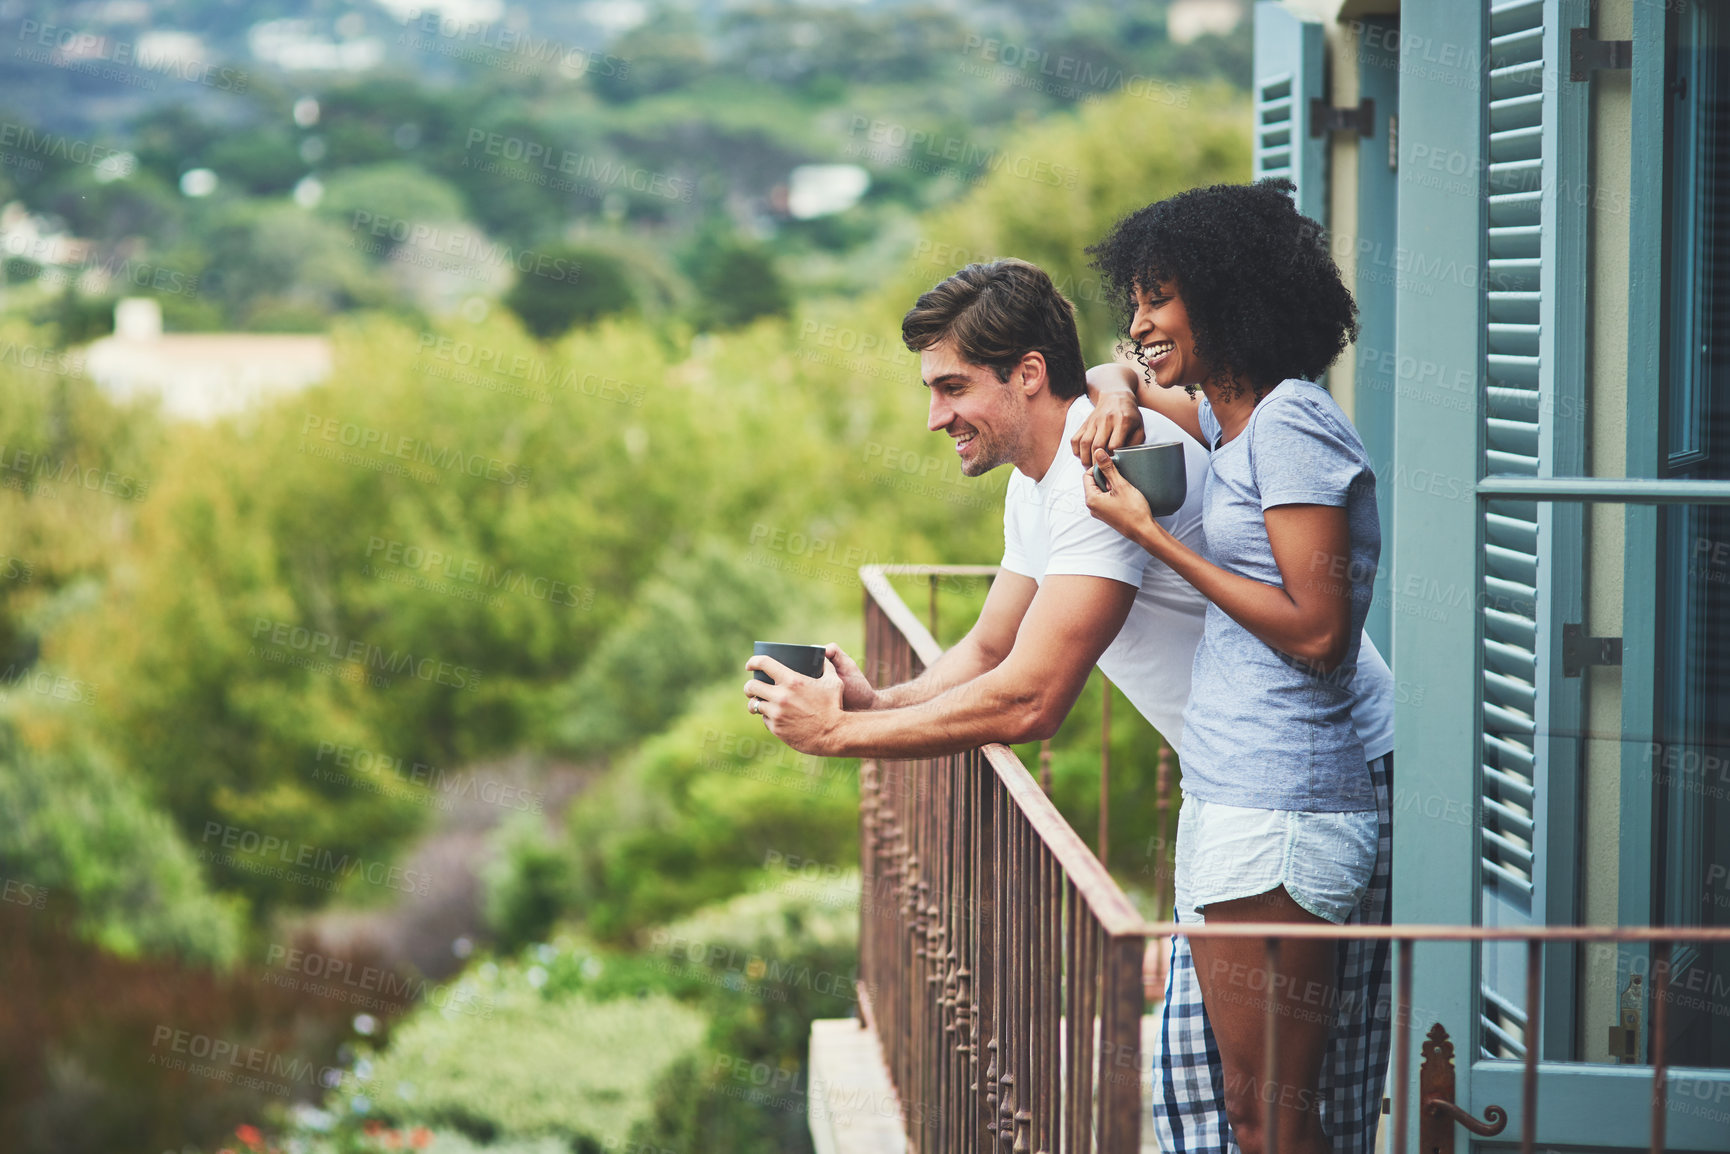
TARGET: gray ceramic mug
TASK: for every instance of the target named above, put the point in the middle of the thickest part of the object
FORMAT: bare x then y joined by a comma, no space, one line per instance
805,659
1157,471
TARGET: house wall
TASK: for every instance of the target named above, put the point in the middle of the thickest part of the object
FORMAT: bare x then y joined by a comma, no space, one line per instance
1342,222
1607,407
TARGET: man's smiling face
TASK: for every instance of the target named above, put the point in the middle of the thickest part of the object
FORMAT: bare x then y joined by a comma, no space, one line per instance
985,417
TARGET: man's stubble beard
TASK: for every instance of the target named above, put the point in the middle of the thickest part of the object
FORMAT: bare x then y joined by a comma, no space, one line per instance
997,448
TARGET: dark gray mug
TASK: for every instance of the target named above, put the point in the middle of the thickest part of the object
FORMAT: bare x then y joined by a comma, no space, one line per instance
805,659
1157,471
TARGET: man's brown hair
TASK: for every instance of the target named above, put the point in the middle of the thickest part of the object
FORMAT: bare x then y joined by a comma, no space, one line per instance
997,313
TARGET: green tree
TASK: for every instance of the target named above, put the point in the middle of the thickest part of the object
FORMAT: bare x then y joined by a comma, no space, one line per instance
264,161
274,265
689,624
651,59
736,283
391,192
1113,157
591,284
74,317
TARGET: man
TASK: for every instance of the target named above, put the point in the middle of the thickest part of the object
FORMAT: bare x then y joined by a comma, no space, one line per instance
1000,356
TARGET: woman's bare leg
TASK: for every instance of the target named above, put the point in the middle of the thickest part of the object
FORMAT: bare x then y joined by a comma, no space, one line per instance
1235,990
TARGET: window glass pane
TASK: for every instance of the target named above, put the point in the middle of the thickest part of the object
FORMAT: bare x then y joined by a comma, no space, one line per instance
1554,380
1690,756
1604,775
1699,283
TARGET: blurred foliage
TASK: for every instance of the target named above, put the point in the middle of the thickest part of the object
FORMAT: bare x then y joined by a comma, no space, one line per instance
695,814
74,317
496,544
100,1053
528,884
702,1035
776,960
1116,156
691,117
591,284
688,624
72,465
262,162
275,267
736,283
395,191
79,835
471,542
659,59
512,1056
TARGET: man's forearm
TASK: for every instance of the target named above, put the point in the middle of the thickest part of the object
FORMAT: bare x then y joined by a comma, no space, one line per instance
975,713
959,664
1112,377
1052,634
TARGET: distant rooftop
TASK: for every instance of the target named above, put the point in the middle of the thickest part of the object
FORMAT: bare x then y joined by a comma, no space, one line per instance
1188,20
200,376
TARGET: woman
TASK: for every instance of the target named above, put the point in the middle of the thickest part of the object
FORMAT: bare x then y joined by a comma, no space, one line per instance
1231,292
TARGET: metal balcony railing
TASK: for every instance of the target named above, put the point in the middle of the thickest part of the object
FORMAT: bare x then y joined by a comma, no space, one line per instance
1000,964
989,930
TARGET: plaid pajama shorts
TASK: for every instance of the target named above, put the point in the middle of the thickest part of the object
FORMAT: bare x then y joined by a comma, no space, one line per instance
1189,1078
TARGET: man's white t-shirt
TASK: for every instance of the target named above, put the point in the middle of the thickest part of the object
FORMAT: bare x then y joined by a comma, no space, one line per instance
1048,532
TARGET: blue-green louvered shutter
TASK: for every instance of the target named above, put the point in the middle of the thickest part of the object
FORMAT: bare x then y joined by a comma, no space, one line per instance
1534,313
1289,61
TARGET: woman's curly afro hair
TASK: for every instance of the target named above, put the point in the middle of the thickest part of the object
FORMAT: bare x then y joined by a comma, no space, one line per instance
1264,298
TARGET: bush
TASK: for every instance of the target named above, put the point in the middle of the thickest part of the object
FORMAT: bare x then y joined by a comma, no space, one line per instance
100,854
513,1057
777,959
697,1043
527,882
693,816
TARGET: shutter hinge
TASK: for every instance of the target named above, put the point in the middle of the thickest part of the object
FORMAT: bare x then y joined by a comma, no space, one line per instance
1586,55
1360,119
1579,651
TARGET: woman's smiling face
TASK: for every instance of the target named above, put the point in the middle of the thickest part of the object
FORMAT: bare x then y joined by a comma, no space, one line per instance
1161,327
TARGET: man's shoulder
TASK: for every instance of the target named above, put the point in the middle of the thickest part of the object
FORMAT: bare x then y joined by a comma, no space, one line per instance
1159,427
1020,484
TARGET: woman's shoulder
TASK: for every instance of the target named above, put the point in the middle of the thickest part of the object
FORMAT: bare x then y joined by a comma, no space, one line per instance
1308,407
1295,393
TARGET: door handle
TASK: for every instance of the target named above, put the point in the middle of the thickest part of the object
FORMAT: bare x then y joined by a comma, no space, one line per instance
1438,1112
1495,1118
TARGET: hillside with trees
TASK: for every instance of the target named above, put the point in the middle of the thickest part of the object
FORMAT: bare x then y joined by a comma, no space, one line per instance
451,642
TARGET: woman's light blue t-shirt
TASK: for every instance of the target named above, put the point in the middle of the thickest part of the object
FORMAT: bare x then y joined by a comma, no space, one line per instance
1261,729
